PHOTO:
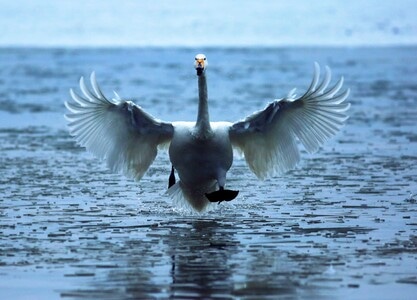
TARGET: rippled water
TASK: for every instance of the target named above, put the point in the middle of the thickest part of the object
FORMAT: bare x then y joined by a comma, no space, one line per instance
341,225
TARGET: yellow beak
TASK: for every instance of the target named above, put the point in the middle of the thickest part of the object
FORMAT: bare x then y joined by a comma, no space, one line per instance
200,63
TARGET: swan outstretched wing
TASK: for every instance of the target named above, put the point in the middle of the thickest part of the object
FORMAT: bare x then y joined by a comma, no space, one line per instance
118,131
268,138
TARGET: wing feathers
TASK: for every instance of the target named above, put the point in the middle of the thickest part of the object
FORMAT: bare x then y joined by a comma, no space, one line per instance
119,132
78,99
333,91
268,138
96,87
323,85
315,80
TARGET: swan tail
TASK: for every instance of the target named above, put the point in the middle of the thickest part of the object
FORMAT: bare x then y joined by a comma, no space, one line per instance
188,199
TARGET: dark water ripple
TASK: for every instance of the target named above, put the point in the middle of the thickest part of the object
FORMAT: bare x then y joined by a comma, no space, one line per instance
342,223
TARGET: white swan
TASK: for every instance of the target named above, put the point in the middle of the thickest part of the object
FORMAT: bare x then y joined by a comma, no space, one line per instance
201,152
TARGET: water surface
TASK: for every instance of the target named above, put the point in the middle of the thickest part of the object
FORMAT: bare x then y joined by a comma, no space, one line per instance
341,225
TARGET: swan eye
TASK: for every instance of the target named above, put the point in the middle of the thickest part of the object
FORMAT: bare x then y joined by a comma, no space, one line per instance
200,57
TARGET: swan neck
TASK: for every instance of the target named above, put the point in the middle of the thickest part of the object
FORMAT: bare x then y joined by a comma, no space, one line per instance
203,120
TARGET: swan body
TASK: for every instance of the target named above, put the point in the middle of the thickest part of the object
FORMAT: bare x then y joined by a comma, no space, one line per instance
201,161
201,152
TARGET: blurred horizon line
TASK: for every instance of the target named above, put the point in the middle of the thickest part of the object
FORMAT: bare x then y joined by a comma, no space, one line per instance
207,46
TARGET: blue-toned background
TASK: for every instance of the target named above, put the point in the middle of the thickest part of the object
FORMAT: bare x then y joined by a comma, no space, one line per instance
340,226
207,23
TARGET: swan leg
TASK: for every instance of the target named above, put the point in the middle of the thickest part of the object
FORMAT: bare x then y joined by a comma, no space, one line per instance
171,180
222,195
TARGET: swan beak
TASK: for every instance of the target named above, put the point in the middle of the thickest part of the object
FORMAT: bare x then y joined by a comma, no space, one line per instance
200,63
199,66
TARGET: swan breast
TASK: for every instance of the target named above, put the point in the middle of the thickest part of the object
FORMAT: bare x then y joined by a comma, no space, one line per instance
198,160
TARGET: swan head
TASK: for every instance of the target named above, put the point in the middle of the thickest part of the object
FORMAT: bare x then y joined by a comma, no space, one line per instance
200,64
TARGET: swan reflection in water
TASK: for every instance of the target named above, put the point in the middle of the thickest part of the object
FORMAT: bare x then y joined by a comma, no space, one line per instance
197,259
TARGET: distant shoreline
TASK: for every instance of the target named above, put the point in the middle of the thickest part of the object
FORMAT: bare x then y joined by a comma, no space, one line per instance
208,47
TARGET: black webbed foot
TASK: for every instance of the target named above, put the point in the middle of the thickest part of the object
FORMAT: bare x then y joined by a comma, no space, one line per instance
222,195
171,180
